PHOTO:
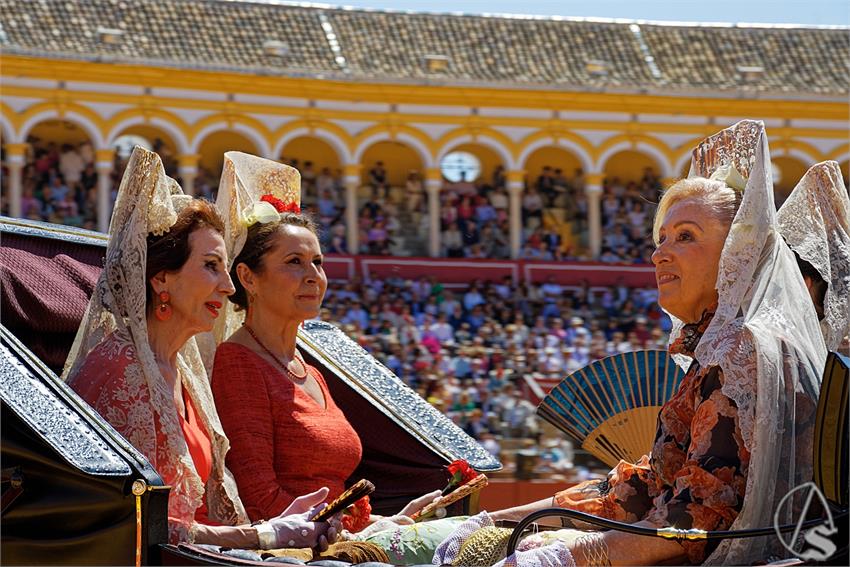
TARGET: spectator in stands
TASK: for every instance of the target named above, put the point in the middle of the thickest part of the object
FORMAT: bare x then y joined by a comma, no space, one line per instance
452,240
328,212
378,181
413,191
68,210
325,183
30,205
71,164
337,243
500,178
532,206
499,201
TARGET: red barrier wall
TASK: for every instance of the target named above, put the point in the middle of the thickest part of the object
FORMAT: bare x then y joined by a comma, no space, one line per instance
458,272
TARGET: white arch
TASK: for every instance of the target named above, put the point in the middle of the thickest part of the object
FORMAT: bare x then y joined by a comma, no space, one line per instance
563,143
483,140
412,141
680,163
327,136
660,159
83,122
807,159
177,135
10,135
258,139
843,157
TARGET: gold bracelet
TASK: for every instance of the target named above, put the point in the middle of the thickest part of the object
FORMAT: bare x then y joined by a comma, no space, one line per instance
595,550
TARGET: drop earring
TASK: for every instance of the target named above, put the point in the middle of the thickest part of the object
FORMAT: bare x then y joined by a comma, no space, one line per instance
163,310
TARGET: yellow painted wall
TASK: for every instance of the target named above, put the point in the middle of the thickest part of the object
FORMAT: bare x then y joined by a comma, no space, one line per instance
553,157
305,148
59,131
398,160
792,170
213,147
628,165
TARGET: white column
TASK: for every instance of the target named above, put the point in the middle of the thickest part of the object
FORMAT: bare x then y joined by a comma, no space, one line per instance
15,161
104,163
352,183
433,184
187,169
593,191
516,185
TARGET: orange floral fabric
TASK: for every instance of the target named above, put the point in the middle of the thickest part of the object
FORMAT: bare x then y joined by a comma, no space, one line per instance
696,475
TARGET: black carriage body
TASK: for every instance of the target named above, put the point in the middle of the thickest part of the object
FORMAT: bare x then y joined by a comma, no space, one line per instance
69,477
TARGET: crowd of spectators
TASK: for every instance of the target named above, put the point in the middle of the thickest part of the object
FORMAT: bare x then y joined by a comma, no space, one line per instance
627,213
60,186
59,182
469,351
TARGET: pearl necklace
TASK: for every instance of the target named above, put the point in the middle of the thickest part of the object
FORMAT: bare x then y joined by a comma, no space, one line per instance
295,377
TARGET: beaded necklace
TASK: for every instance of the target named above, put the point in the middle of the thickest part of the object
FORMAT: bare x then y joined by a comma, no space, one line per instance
295,377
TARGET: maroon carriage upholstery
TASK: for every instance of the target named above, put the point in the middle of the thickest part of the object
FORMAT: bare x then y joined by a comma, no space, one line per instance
46,285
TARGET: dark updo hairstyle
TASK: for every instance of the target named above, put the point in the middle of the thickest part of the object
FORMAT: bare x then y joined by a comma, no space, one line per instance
260,240
170,251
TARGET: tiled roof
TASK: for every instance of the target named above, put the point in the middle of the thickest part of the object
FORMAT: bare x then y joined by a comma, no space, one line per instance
396,46
793,60
490,49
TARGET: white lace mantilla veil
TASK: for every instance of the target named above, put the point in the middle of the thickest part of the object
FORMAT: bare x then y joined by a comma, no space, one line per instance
148,202
765,337
815,222
245,179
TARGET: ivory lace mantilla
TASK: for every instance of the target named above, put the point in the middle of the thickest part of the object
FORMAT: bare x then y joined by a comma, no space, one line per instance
115,325
245,179
764,336
815,222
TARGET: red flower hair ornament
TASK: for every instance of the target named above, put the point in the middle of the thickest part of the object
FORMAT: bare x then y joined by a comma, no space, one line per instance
268,209
280,206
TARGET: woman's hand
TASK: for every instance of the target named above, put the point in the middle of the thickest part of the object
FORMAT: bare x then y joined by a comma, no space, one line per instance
296,530
307,502
417,504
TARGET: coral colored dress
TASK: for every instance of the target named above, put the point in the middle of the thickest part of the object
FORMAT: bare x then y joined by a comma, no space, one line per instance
200,448
282,443
696,475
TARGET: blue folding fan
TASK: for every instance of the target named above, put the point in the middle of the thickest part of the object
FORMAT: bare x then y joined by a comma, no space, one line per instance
611,406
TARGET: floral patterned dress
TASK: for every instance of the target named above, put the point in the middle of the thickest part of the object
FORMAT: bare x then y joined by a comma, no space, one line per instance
696,475
111,380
